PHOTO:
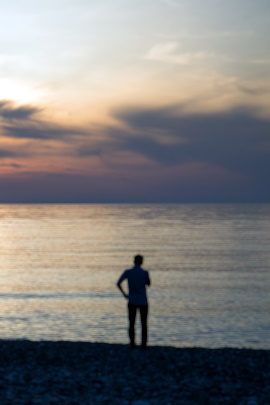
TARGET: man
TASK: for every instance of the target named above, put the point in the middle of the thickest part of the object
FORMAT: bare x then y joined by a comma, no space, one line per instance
137,279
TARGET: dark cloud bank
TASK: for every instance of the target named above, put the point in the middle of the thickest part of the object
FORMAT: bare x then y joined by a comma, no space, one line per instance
23,123
236,142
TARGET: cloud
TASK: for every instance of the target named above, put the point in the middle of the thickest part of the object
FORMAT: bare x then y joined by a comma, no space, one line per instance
40,131
236,141
165,153
170,52
42,187
10,112
4,153
88,150
22,122
13,165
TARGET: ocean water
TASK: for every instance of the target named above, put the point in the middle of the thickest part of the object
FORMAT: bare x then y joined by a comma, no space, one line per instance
209,266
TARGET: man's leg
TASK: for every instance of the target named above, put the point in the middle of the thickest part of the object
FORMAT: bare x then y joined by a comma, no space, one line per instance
144,313
132,309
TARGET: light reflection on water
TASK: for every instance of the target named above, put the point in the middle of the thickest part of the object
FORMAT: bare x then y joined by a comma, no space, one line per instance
209,266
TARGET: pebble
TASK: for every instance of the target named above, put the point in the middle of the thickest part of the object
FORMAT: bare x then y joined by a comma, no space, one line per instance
87,373
252,401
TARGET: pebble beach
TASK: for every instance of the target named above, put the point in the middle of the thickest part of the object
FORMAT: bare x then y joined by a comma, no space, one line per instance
43,372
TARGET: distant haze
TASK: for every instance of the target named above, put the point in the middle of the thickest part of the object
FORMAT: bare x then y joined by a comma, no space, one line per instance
134,101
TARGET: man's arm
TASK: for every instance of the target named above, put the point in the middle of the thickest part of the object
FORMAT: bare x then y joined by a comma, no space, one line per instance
119,282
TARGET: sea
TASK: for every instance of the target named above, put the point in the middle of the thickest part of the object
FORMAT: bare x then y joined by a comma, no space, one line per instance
208,263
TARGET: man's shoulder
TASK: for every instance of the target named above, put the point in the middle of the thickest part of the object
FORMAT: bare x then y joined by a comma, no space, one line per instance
145,271
127,272
124,275
135,270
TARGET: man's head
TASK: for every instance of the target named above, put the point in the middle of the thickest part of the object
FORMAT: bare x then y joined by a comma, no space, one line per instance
138,260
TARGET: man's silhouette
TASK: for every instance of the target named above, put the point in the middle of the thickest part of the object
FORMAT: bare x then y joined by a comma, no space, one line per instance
137,279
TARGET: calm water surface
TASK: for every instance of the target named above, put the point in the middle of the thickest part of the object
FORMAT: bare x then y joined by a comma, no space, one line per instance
209,266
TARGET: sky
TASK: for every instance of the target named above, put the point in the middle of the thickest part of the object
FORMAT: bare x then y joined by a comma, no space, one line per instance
153,101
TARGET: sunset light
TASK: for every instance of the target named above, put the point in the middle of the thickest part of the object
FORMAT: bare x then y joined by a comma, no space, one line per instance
19,92
152,93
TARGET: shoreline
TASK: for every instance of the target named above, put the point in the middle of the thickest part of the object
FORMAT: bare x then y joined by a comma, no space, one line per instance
65,372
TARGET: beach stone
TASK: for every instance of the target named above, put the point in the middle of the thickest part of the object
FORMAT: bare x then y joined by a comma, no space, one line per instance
252,401
74,373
